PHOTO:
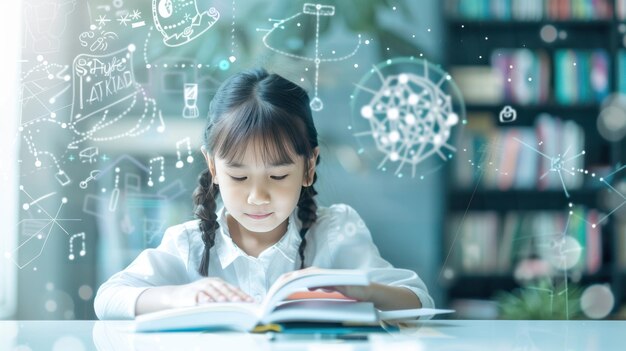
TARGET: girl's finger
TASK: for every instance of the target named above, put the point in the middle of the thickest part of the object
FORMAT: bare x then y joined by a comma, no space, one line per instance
240,295
226,290
216,294
202,298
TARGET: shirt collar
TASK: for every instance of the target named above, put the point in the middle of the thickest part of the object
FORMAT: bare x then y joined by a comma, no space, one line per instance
228,251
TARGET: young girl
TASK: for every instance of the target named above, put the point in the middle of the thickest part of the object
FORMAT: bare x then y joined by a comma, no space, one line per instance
261,149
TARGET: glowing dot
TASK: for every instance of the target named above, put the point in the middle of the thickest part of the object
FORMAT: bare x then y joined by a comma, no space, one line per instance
51,305
25,207
63,125
403,78
593,225
85,292
165,65
148,66
393,113
530,79
394,156
53,115
356,65
232,59
50,76
394,136
597,301
410,119
437,139
52,100
570,204
131,47
64,200
367,42
367,112
67,78
39,58
224,65
37,163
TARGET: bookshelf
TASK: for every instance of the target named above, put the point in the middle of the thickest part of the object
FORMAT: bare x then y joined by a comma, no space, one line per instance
554,62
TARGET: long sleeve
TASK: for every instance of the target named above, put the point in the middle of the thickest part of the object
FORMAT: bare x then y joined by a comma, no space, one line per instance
165,265
350,245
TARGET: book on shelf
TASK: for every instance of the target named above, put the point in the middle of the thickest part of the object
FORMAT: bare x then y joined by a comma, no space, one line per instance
516,157
488,243
479,84
581,76
525,74
534,10
288,300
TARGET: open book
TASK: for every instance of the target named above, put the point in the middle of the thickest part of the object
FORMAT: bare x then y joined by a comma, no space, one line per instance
288,300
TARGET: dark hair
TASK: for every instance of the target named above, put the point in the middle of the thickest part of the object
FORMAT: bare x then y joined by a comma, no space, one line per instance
274,113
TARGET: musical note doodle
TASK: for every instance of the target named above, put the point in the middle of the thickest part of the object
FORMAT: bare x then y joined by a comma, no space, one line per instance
82,251
161,128
179,163
162,176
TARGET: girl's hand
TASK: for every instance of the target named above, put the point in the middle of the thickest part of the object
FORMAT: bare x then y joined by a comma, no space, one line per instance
209,290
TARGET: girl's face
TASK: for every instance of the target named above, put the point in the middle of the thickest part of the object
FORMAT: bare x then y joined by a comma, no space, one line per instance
260,196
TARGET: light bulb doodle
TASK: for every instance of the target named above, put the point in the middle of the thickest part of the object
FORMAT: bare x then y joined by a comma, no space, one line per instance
180,22
316,10
82,251
162,176
186,141
411,115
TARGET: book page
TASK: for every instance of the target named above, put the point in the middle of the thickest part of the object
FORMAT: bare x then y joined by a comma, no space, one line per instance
310,278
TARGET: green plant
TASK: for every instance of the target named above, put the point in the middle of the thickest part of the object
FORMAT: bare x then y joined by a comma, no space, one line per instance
540,300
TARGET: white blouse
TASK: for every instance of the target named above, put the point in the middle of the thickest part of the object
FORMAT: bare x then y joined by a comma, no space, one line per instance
338,239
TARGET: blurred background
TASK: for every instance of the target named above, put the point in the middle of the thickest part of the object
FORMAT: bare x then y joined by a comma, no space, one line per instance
480,140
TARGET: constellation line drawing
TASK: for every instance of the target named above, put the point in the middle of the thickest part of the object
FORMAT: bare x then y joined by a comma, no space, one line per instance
557,163
51,222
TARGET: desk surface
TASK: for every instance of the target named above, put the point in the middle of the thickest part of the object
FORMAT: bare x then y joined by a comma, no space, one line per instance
426,335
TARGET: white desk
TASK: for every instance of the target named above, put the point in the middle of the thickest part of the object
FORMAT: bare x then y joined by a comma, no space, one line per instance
428,335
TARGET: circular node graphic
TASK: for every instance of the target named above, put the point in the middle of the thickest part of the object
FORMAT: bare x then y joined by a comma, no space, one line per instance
409,110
